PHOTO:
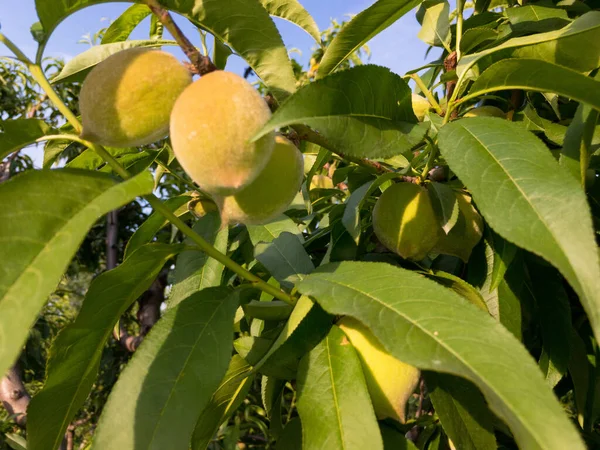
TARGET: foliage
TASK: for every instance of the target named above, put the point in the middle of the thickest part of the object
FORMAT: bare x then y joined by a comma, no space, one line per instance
497,306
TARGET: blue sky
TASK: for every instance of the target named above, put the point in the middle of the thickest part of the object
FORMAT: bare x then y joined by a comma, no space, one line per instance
397,47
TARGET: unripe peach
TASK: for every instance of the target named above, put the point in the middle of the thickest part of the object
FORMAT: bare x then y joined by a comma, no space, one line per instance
404,220
126,100
485,111
212,123
321,182
420,106
271,192
390,381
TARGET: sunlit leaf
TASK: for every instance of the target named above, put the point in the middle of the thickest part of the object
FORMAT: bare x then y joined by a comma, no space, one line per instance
172,376
365,111
77,351
362,28
51,214
333,400
526,199
431,327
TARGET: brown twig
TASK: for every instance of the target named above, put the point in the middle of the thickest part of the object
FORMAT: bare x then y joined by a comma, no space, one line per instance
449,65
202,64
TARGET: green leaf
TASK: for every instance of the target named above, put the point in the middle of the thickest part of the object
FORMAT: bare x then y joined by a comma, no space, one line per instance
461,408
156,28
172,376
90,160
536,75
394,440
220,54
76,69
576,150
271,230
503,302
244,26
20,133
121,28
285,259
146,231
194,269
229,395
526,199
536,18
434,16
444,204
365,111
333,401
50,214
294,12
576,46
554,316
474,37
362,28
274,310
307,324
504,253
77,351
460,286
291,436
423,324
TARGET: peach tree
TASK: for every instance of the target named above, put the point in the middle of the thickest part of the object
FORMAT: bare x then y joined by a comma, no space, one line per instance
395,261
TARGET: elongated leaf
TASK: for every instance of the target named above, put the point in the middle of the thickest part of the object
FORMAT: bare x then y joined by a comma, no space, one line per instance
90,160
121,28
444,204
434,16
423,324
145,233
576,46
540,76
333,401
228,396
172,376
503,302
269,231
365,111
462,411
294,12
76,352
554,316
525,198
291,436
578,140
49,215
459,286
307,324
361,29
244,26
274,310
77,68
194,269
504,253
285,258
19,133
220,54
